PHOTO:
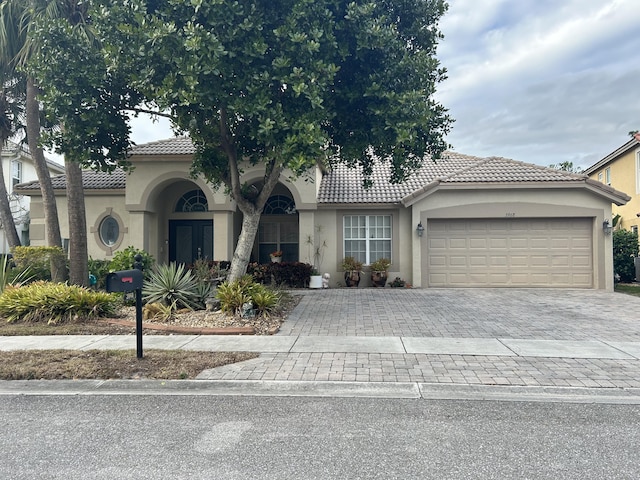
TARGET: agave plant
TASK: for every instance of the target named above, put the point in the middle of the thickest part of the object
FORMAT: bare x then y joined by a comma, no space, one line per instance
171,285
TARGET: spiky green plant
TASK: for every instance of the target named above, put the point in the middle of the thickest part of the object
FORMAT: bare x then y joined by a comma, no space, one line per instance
54,302
264,299
233,295
5,277
171,285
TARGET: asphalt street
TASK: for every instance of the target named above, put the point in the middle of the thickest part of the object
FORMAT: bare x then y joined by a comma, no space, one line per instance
233,437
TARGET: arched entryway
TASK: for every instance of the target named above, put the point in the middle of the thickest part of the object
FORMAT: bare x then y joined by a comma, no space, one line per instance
279,228
190,238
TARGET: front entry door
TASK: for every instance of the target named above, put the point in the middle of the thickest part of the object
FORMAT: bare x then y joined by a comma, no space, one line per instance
190,240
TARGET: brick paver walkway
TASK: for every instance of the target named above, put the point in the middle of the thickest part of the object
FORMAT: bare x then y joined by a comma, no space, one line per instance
579,315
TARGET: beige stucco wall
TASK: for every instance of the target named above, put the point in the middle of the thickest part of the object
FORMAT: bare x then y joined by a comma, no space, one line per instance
518,203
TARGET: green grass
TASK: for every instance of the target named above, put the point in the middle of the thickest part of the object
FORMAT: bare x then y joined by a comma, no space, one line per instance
629,289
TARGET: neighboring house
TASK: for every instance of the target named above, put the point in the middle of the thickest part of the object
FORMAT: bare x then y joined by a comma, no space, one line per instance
462,221
17,167
621,170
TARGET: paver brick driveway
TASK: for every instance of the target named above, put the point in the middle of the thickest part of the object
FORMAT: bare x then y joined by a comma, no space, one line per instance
552,314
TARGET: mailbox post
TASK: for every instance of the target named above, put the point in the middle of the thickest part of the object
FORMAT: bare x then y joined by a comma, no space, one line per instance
129,281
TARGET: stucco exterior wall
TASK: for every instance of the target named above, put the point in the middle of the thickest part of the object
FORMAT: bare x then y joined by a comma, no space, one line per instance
625,177
520,203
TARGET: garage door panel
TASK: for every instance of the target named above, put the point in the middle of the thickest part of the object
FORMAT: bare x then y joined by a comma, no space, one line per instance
457,261
518,243
510,252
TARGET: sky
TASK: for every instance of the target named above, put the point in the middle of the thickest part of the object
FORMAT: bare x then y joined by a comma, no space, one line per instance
540,81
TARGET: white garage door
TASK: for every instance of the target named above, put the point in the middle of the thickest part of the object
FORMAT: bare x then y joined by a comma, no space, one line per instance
510,253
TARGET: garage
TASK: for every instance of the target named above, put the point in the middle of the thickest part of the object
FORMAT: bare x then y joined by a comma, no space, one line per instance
510,252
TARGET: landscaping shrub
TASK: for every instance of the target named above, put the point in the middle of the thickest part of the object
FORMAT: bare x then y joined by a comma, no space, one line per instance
208,270
233,295
124,260
173,286
37,260
9,275
54,303
287,274
99,269
625,247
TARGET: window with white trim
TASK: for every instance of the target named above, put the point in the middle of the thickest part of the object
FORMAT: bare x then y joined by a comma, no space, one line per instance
600,176
16,172
607,175
367,238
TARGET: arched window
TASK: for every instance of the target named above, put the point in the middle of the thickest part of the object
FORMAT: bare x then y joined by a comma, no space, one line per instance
279,205
193,201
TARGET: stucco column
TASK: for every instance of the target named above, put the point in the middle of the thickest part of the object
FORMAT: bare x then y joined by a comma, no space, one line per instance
223,241
139,233
306,226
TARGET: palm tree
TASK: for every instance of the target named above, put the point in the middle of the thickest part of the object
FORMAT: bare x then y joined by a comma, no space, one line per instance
15,47
21,45
10,112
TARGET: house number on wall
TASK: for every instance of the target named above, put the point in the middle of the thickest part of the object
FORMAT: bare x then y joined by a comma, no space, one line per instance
510,214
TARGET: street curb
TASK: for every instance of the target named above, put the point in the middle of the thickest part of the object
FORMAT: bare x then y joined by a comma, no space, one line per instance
381,390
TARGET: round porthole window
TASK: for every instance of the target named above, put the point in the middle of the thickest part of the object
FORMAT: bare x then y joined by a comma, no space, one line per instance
109,231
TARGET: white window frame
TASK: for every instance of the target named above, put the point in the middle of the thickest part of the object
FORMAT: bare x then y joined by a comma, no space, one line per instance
16,173
607,175
370,228
600,177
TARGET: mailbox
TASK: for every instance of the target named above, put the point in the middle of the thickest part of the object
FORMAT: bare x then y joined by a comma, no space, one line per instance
124,281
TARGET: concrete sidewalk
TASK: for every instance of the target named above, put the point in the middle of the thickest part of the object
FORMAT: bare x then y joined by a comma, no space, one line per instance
462,361
516,338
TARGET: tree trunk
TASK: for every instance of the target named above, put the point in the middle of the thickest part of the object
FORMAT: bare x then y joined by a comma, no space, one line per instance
52,226
242,254
6,217
78,254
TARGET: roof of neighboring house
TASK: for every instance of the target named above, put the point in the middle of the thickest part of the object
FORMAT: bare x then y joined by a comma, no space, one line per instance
343,185
24,148
633,143
91,181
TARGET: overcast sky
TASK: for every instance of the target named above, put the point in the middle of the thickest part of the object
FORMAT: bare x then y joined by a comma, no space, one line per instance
541,81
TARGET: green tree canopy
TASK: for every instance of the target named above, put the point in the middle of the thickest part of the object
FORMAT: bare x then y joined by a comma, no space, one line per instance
281,83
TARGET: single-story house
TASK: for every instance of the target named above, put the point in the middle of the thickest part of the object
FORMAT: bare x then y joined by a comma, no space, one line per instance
462,221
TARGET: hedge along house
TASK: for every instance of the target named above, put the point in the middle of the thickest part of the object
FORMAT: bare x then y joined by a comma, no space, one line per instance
462,221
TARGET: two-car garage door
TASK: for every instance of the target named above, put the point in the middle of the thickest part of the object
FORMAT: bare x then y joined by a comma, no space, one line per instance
510,252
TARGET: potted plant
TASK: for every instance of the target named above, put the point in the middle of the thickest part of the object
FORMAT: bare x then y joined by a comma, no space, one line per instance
315,254
379,272
315,280
276,257
352,269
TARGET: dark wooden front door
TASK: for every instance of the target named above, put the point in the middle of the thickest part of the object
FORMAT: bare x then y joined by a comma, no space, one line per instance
190,240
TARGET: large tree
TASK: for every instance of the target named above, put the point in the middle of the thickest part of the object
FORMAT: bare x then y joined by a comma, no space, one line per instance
16,48
10,121
280,83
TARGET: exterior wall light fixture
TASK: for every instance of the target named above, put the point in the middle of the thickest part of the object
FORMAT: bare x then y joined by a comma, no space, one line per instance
420,229
606,227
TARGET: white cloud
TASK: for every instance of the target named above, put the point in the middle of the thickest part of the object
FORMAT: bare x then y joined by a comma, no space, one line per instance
541,81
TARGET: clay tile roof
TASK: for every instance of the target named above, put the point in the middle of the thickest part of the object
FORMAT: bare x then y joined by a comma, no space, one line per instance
91,181
170,146
500,170
344,185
